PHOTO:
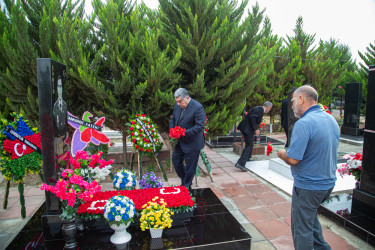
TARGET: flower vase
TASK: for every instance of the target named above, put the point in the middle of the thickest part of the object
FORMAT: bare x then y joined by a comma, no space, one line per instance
69,231
120,236
156,233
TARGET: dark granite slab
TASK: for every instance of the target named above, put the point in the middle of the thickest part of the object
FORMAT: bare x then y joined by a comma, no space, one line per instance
211,226
339,209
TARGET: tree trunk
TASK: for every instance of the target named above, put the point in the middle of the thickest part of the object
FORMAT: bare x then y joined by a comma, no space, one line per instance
124,148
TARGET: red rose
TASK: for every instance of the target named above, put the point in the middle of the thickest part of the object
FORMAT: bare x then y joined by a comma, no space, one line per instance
132,134
131,128
133,122
136,146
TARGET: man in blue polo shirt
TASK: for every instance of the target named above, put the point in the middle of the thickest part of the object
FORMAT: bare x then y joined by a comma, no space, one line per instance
312,155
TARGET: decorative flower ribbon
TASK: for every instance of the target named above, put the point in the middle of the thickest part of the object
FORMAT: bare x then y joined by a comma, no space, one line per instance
29,144
147,132
84,134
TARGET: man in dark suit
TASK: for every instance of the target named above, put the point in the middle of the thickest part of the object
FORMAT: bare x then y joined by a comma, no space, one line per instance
188,114
249,127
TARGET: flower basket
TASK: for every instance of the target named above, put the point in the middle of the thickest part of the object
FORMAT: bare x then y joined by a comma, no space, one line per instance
155,215
124,180
156,233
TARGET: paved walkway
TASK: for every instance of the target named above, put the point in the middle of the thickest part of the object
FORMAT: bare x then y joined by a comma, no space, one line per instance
262,209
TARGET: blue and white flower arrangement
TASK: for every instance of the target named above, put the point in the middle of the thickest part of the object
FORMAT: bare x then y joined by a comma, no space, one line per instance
124,180
149,180
119,210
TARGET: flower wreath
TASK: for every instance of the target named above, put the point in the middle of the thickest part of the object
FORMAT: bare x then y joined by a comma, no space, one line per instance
16,158
143,132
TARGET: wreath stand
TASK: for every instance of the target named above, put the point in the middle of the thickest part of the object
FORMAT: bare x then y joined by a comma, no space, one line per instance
140,172
208,168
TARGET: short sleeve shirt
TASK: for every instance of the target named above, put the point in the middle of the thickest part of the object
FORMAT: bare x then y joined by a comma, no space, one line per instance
315,139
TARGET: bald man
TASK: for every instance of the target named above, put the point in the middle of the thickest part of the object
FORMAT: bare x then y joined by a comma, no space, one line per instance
312,155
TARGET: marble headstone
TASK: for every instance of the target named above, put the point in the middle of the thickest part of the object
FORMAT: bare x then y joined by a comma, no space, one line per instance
353,94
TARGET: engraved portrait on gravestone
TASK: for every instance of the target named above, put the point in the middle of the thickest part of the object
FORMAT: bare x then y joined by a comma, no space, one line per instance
60,110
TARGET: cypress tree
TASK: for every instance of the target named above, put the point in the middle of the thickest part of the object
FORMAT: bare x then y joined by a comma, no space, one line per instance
33,34
141,75
222,60
321,67
284,72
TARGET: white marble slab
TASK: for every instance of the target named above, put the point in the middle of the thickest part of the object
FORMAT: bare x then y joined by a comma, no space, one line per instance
262,169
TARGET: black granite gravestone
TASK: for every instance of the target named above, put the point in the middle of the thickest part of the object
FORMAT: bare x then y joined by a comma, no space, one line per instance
364,197
353,94
52,118
291,117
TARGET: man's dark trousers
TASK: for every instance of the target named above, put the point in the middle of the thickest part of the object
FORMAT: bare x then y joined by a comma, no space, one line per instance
247,151
191,159
307,232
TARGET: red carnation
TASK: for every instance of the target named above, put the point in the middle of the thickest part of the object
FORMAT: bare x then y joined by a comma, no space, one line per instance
136,146
131,128
133,122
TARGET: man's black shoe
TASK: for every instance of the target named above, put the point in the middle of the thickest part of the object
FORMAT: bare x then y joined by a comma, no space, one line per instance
240,167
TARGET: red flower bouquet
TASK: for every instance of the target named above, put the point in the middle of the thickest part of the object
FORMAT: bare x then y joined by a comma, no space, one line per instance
261,125
177,132
269,148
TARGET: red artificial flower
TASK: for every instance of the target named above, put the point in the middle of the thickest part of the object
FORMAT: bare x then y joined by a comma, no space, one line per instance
131,128
136,146
140,197
133,122
269,148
